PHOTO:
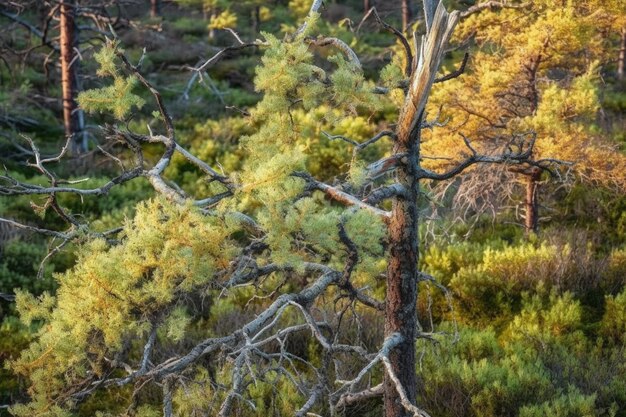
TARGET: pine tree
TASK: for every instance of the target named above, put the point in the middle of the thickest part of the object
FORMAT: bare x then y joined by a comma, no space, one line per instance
550,87
153,304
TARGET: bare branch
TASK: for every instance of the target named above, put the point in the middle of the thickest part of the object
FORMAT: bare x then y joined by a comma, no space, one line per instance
219,55
416,411
382,166
315,6
359,146
506,158
384,193
405,43
45,232
340,196
456,73
352,398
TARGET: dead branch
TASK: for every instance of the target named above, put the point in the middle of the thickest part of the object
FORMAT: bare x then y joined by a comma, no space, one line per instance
339,196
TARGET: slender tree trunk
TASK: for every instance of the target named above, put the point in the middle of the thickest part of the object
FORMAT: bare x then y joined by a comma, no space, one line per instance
621,62
69,65
212,31
155,8
366,5
406,15
402,278
531,202
256,19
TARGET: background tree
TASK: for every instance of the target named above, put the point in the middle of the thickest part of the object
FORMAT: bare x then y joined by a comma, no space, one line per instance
550,87
155,8
406,15
57,28
69,75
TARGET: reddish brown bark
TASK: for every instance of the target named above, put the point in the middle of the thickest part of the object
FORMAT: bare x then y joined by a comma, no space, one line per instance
68,68
402,271
402,277
621,61
406,15
155,8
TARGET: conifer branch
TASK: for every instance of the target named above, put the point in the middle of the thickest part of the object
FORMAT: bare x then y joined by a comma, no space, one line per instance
342,46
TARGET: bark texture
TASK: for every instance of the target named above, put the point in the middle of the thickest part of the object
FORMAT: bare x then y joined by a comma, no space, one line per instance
68,69
402,272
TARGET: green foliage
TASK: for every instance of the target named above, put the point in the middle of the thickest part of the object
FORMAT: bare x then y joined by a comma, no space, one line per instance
613,325
189,26
20,262
572,404
117,98
113,292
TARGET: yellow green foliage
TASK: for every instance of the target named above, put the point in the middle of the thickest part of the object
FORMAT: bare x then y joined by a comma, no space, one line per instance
225,19
115,292
299,8
117,98
614,320
536,69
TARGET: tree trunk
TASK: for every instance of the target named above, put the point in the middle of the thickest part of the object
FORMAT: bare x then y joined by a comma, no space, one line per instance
366,6
256,19
402,271
621,62
155,8
531,202
69,65
402,278
212,30
406,15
